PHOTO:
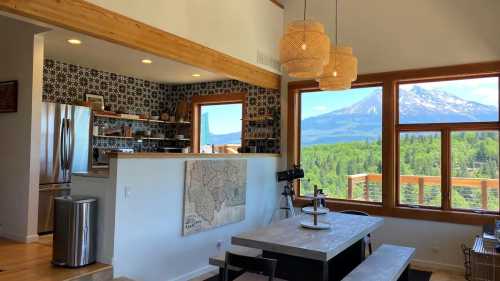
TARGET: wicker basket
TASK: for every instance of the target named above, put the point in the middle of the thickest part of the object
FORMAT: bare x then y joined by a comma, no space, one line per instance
485,261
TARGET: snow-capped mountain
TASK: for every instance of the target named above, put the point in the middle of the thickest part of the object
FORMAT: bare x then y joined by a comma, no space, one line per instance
362,120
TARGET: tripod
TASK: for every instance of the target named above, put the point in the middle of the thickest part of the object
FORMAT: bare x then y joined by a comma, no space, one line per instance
287,196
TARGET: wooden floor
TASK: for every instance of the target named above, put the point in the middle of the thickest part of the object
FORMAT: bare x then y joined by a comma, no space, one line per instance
446,276
441,275
438,275
31,262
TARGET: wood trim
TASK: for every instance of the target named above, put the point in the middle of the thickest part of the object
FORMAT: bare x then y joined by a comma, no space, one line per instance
278,3
482,69
390,138
84,17
427,214
448,126
123,155
198,101
195,127
445,169
389,145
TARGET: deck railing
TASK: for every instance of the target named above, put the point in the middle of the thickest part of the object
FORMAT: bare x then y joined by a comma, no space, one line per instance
422,182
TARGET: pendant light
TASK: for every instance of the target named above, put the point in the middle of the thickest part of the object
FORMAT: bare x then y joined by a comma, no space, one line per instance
304,48
342,69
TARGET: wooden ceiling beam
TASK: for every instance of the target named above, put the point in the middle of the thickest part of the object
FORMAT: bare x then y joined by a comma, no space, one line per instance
90,19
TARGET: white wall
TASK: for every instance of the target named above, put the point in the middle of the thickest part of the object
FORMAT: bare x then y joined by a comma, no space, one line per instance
389,35
235,27
21,54
147,224
438,244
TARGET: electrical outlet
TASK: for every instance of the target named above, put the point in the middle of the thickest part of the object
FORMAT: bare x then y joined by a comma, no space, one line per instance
435,249
128,192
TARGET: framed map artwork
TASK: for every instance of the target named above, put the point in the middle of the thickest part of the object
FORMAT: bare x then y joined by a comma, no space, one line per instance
214,194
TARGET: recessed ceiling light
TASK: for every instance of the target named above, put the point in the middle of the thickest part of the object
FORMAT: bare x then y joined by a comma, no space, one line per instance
74,41
147,61
196,75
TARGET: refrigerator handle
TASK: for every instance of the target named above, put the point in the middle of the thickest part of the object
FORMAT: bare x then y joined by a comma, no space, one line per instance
63,147
70,144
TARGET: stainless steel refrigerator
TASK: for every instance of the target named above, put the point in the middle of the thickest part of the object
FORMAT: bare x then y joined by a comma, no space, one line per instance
65,143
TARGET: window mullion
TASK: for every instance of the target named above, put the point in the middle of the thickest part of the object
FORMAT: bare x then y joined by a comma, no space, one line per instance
445,169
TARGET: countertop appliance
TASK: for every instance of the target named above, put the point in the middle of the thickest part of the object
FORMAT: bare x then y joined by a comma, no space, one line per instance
64,149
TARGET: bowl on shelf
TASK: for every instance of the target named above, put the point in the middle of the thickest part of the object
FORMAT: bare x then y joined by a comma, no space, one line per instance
155,118
179,137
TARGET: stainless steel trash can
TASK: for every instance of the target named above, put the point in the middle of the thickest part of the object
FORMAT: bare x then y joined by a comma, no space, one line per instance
75,230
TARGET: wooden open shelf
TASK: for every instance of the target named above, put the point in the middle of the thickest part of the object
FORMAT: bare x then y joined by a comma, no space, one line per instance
249,138
258,119
112,137
97,114
144,138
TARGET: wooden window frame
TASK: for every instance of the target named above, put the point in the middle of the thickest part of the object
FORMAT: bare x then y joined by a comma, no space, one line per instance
445,130
298,141
390,124
198,101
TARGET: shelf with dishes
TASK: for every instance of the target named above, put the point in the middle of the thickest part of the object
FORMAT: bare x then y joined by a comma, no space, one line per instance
132,117
258,138
143,138
259,119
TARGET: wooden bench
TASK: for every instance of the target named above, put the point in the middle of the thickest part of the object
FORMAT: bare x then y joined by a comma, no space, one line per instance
387,263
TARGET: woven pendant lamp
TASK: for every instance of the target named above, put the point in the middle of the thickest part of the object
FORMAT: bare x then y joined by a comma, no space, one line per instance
342,69
304,48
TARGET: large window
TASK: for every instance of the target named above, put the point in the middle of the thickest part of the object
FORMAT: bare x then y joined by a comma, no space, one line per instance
474,164
418,144
459,160
420,169
341,147
220,128
218,123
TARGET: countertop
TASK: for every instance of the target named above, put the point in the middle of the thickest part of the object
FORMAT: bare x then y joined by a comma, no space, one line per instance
124,155
101,173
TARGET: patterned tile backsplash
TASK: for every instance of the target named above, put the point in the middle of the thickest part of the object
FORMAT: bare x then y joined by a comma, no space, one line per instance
69,83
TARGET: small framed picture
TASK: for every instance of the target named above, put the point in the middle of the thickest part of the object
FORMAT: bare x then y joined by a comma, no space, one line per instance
97,102
8,96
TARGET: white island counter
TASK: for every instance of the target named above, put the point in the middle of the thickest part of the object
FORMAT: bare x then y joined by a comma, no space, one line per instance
140,216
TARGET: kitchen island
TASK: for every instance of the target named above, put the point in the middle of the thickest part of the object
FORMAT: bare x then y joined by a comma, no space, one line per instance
140,216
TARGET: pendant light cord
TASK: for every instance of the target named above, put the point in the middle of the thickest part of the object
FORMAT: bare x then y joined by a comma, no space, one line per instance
305,14
305,9
336,22
336,45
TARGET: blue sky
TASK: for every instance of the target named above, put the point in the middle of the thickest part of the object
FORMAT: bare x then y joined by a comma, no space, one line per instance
481,90
317,103
224,118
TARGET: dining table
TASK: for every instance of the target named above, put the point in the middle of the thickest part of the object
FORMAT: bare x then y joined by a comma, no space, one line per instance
308,254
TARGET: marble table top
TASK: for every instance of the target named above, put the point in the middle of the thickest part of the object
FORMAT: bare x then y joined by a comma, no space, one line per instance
288,237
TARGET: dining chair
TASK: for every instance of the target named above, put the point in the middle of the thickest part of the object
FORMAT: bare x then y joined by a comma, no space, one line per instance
255,268
368,238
